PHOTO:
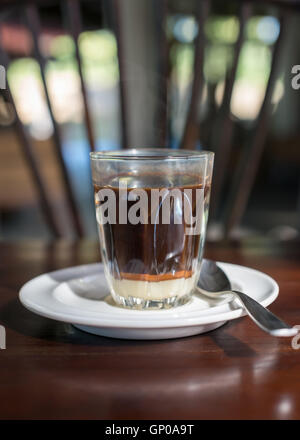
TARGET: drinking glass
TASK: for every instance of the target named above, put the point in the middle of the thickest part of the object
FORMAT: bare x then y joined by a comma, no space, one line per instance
151,210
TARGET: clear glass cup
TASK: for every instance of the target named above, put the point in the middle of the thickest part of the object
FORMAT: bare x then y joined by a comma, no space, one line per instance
151,210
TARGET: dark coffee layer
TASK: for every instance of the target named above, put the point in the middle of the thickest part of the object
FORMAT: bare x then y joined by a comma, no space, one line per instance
151,252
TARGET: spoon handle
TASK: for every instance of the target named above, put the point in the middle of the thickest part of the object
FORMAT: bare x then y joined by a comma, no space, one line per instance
265,319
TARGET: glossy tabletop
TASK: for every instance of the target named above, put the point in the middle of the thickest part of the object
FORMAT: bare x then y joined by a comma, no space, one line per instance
51,370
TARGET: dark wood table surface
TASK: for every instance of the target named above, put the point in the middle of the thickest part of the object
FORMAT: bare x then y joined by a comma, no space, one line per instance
51,370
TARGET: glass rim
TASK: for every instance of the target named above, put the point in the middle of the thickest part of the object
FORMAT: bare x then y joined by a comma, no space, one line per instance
150,154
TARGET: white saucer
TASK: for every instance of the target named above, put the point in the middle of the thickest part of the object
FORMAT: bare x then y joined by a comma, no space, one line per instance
79,295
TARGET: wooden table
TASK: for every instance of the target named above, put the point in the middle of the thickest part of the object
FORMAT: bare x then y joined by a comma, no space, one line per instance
51,370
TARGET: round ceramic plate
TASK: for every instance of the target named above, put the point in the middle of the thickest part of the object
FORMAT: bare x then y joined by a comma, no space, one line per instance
80,295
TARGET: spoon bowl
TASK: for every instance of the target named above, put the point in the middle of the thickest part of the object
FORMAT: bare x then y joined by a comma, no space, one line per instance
214,283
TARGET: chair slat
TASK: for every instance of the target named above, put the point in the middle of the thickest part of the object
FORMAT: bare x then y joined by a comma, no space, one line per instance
225,122
191,130
248,166
74,15
27,150
161,12
121,59
34,27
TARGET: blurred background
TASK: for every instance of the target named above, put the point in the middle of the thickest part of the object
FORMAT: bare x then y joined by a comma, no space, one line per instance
109,74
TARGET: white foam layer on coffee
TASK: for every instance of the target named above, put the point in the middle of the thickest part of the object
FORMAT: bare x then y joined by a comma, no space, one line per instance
153,290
